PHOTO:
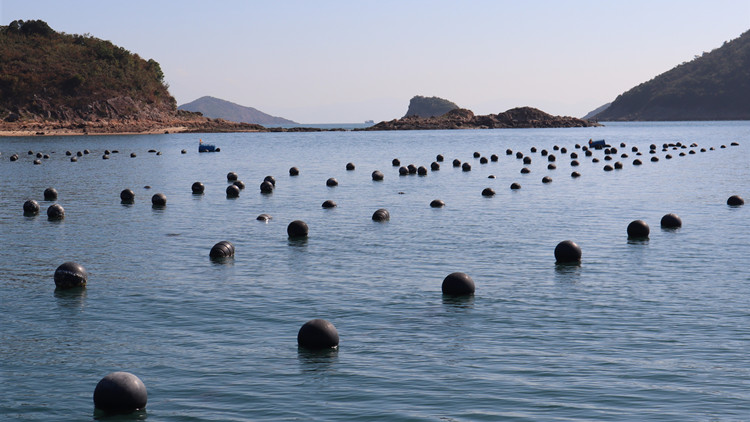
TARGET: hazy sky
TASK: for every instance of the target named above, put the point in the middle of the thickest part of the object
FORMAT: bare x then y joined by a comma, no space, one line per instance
348,61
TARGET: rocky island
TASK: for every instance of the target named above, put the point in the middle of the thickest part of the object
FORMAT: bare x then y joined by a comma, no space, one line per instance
460,118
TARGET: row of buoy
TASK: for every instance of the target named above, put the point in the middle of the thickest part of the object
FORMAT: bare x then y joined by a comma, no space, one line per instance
74,157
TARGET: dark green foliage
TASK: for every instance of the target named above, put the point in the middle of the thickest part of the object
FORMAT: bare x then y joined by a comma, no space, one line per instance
39,65
429,106
713,86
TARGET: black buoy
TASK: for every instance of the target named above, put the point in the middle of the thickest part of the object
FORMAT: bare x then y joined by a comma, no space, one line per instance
297,229
595,160
638,229
50,194
105,157
574,163
159,200
73,159
233,191
437,203
458,284
68,153
132,155
575,174
527,160
551,158
403,171
671,221
70,275
223,249
546,179
608,168
735,201
422,171
567,252
483,160
551,166
435,166
329,204
525,170
573,155
294,171
508,151
263,217
239,183
519,155
544,153
127,196
331,182
120,392
494,157
318,334
488,192
637,162
377,175
477,154
533,149
412,169
266,187
79,154
618,165
654,159
198,188
55,212
350,166
439,158
271,180
515,186
396,162
184,151
232,176
465,167
381,214
456,163
30,207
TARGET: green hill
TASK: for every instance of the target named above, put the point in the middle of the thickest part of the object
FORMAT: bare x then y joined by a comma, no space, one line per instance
46,75
429,106
217,108
713,86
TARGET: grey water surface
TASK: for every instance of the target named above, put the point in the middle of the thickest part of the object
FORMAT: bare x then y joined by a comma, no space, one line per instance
655,329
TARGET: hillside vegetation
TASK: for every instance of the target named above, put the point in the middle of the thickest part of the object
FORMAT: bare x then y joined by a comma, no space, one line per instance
429,106
713,86
49,75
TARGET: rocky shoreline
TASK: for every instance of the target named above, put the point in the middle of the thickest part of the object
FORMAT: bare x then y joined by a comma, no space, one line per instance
521,117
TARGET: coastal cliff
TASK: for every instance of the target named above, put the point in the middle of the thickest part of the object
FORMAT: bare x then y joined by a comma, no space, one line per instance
521,117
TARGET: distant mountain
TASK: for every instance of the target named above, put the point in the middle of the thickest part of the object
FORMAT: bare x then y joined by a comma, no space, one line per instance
592,113
713,86
217,108
429,106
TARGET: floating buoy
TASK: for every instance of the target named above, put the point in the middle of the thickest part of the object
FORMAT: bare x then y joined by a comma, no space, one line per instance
458,284
377,175
508,151
184,151
525,170
266,187
574,163
494,157
381,214
618,165
573,155
403,171
595,160
396,162
735,201
515,186
318,334
477,154
671,221
439,158
350,166
132,155
412,169
73,159
332,182
233,191
422,171
551,158
544,153
127,196
527,160
465,167
567,252
329,204
271,180
70,275
483,160
551,166
263,217
519,155
240,184
294,171
223,249
30,208
297,229
488,192
546,179
50,194
575,174
55,212
638,229
68,153
120,392
198,188
434,166
437,203
608,168
533,149
37,162
637,162
232,176
159,200
456,163
654,159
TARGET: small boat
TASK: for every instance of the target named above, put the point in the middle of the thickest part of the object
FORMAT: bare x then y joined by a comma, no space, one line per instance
597,144
207,147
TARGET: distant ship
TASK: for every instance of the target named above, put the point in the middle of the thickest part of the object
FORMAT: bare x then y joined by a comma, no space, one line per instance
369,122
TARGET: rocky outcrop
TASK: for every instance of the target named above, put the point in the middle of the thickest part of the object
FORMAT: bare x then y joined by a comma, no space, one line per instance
521,117
420,106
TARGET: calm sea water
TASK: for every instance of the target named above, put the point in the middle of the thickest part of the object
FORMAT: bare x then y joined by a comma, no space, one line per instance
649,330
